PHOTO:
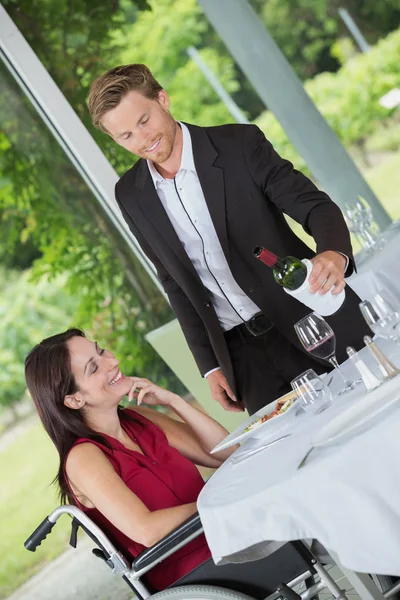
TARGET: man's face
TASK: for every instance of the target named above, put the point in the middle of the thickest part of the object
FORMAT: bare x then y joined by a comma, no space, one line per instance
142,126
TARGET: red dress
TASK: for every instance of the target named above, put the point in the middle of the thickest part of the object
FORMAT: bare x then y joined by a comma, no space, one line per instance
162,478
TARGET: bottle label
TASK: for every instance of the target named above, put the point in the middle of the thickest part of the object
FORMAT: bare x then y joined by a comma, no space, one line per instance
325,304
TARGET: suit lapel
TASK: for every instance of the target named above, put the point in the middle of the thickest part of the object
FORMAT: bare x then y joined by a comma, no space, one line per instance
155,214
212,182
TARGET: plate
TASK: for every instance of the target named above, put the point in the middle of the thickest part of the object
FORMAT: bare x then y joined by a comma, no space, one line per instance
357,417
263,430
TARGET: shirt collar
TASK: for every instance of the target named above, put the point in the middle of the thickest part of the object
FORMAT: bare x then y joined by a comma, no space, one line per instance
187,160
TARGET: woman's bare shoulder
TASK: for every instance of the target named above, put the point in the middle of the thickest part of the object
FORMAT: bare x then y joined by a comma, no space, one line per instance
84,456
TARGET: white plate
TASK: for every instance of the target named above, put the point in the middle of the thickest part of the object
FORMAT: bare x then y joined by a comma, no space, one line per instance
357,416
263,430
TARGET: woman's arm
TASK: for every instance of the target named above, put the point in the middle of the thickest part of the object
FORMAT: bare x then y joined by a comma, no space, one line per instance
93,476
195,437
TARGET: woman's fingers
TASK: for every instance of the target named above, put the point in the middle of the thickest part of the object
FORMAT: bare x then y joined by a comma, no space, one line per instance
149,389
137,384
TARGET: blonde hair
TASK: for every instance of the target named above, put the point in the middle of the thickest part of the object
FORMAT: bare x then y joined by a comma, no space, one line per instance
107,91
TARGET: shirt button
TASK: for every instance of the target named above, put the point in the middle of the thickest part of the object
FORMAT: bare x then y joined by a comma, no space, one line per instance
153,462
208,304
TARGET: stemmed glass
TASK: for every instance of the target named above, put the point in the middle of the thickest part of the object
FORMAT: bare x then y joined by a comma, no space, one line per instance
382,314
318,338
358,223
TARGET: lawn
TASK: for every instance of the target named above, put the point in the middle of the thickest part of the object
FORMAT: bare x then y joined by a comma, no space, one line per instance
384,179
27,466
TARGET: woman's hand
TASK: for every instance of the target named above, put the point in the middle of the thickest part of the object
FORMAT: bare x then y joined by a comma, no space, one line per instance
149,393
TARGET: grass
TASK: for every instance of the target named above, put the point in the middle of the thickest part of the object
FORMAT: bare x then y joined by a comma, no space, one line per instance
29,463
384,179
27,466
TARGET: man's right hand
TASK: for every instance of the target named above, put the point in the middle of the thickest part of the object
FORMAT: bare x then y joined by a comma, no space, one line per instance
222,392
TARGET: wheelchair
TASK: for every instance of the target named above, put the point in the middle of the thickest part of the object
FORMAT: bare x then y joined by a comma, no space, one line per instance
276,577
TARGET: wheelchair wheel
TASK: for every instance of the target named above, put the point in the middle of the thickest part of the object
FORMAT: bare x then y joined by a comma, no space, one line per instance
199,592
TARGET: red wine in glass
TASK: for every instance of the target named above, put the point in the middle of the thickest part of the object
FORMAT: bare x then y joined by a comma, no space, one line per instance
324,349
318,339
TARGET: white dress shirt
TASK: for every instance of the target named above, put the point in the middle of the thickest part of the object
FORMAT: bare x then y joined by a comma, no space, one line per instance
185,205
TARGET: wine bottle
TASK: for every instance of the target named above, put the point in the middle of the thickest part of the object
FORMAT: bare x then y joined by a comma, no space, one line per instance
289,272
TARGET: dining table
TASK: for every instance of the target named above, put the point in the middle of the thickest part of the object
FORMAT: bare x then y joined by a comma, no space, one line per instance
346,495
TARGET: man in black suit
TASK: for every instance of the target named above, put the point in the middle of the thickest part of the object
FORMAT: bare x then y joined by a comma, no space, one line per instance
198,202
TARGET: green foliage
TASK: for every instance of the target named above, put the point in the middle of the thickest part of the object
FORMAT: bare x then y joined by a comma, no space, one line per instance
45,203
192,97
348,99
307,30
28,313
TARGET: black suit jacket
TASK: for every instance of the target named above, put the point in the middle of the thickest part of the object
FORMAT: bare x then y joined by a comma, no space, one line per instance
247,187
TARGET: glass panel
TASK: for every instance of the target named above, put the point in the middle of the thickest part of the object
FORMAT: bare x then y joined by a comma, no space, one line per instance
48,211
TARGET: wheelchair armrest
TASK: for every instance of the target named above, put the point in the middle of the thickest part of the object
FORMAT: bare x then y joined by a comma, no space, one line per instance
177,538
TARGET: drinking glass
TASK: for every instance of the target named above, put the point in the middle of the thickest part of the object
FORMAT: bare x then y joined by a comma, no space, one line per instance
357,221
382,314
317,337
314,396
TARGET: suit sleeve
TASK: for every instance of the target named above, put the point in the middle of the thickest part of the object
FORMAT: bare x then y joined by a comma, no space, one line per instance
294,194
189,320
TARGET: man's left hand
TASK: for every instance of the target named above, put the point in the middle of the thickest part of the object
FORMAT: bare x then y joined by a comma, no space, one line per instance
328,272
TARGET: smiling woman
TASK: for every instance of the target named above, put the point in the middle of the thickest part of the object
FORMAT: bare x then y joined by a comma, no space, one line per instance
133,470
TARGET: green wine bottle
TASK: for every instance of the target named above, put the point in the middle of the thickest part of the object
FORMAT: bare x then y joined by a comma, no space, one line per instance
289,272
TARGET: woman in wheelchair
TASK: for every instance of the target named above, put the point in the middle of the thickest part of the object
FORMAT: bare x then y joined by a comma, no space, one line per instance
131,470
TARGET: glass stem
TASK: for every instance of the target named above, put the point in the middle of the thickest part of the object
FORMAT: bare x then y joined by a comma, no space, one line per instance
335,364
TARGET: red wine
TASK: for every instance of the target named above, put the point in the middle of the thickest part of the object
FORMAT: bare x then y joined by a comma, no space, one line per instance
324,349
289,272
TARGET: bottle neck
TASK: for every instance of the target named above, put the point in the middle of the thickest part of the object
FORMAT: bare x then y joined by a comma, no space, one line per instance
279,264
265,256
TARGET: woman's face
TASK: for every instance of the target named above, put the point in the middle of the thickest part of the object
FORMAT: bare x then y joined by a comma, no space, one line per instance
97,375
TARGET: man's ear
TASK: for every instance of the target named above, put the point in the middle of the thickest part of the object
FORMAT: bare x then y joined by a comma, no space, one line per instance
74,401
163,99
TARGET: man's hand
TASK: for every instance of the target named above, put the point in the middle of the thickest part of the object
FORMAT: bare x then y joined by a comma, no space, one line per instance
222,392
328,271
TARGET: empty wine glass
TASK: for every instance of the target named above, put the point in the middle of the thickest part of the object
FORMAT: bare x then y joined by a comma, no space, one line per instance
318,338
382,314
357,220
314,396
368,222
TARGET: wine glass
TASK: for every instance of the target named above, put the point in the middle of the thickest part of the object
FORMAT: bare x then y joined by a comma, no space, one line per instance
317,337
382,314
314,396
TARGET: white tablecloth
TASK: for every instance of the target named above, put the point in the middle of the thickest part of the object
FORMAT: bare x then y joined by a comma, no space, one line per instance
379,270
347,496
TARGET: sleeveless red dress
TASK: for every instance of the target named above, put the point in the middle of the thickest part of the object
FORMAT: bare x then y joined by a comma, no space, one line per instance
162,478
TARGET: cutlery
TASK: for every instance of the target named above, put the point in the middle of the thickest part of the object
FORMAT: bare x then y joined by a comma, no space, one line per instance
304,459
258,449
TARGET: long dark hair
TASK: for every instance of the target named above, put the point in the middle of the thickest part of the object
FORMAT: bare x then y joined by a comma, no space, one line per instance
49,379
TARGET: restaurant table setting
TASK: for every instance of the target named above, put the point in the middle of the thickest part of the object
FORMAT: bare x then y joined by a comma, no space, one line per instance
324,468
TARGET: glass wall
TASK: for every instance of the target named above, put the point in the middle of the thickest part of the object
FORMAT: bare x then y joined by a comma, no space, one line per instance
63,263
